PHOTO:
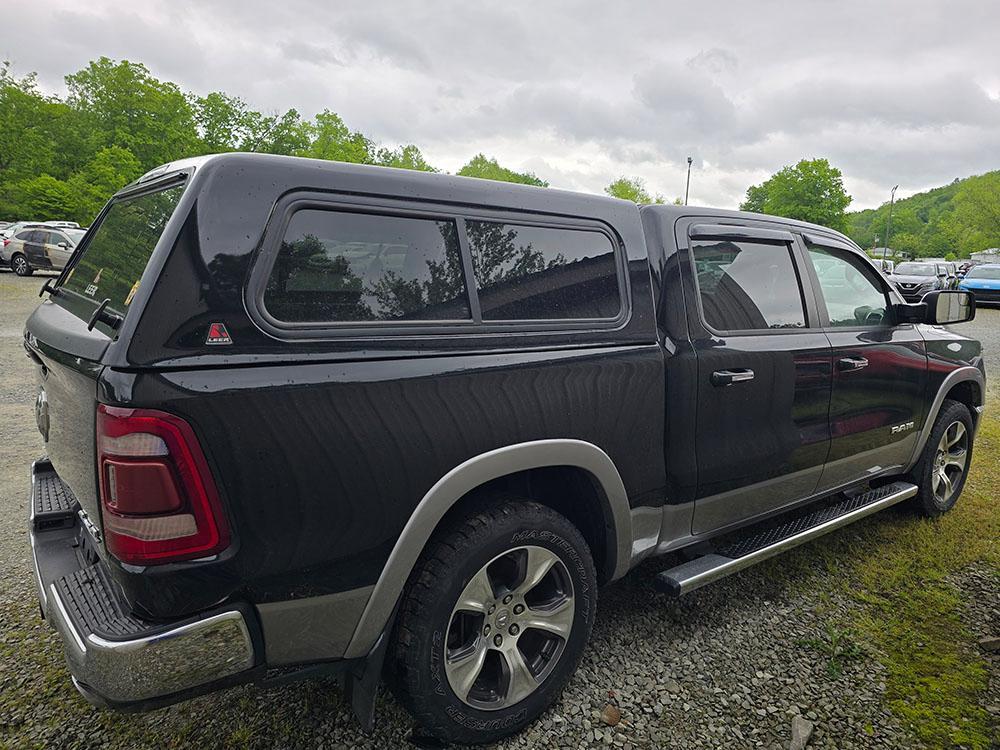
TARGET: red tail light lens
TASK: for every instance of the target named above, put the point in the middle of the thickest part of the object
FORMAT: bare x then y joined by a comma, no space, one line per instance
158,500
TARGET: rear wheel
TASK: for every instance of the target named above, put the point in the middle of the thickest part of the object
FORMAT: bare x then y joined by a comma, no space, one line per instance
494,622
943,466
19,265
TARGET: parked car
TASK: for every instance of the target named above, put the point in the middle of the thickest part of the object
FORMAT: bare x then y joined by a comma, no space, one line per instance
63,224
39,248
16,227
311,418
963,268
983,281
915,279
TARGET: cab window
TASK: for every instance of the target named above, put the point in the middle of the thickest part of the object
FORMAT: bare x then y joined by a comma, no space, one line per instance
747,285
852,296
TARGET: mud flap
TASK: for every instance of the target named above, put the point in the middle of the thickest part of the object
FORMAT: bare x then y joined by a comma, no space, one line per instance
361,682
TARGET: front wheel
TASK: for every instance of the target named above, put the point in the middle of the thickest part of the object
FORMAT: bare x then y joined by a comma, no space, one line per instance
494,621
943,466
19,265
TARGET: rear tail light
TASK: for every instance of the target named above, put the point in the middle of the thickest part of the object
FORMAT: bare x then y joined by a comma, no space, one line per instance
158,499
6,242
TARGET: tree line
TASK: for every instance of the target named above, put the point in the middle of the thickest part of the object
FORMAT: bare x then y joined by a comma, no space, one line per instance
62,158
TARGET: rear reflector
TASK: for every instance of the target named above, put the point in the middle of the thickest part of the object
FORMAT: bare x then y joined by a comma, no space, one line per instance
159,503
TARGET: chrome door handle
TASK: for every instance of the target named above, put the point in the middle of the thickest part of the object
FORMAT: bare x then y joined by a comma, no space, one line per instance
850,364
728,377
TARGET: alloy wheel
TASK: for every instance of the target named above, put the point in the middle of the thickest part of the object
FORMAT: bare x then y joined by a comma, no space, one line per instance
20,265
509,628
950,462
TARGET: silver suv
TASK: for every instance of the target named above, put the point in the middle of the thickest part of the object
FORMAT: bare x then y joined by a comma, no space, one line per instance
40,247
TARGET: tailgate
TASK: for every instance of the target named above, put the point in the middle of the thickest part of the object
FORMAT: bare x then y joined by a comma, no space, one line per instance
67,365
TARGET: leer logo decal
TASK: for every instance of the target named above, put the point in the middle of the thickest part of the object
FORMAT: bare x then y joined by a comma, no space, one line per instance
217,334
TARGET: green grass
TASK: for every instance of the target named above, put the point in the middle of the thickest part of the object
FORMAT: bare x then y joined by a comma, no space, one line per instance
895,568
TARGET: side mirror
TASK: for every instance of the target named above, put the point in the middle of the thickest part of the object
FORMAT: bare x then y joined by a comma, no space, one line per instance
63,245
949,306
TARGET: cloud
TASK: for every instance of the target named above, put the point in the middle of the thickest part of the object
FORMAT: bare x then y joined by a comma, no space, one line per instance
584,92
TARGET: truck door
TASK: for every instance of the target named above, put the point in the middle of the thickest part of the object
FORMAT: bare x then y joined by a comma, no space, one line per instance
879,367
763,375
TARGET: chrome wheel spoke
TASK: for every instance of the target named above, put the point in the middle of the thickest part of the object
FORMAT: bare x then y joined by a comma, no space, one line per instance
520,681
464,668
538,565
956,459
946,484
557,619
476,593
955,434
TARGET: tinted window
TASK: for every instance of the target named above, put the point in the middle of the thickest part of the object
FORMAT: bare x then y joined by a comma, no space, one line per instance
852,297
120,246
916,269
54,238
747,285
543,273
26,236
335,266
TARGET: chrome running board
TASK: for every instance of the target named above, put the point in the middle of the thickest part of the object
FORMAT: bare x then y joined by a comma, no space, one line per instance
761,544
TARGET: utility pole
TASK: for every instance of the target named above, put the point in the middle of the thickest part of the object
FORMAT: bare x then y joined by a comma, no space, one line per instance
888,225
687,188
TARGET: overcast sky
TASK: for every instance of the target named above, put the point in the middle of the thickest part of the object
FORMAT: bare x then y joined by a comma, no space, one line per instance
904,92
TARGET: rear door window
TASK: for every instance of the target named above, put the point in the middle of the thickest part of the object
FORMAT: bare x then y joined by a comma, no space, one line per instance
119,248
543,273
747,285
346,267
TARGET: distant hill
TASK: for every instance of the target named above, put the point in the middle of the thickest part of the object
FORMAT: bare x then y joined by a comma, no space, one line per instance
924,224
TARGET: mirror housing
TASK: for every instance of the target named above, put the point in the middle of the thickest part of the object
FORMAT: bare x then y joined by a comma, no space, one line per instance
941,307
63,245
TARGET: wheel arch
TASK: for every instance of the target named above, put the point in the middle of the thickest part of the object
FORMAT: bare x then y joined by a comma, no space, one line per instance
532,462
964,384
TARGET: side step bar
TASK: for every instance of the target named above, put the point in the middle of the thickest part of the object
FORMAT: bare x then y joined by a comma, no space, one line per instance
776,539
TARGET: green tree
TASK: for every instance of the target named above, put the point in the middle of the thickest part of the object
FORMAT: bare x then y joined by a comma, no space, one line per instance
404,157
287,135
110,170
221,121
44,197
489,169
632,189
332,139
975,222
122,105
812,190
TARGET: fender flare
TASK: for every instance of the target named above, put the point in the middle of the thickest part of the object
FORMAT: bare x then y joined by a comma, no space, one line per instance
466,477
960,375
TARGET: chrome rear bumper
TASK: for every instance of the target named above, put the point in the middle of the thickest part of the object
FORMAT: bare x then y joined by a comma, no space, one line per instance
115,657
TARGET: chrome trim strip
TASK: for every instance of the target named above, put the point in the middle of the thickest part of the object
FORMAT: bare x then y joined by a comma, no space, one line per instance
704,570
67,623
466,477
42,596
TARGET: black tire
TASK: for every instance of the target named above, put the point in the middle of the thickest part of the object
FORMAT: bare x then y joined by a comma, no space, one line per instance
448,565
19,265
930,500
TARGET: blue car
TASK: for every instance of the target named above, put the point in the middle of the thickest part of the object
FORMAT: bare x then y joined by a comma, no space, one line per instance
984,282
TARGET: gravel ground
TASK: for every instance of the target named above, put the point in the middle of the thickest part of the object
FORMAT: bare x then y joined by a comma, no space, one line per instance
728,666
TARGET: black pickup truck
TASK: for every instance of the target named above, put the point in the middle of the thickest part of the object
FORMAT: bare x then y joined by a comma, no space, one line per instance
309,418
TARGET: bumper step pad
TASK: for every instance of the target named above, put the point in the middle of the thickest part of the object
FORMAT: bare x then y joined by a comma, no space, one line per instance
772,538
91,603
53,503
